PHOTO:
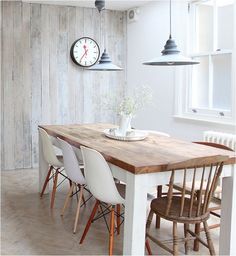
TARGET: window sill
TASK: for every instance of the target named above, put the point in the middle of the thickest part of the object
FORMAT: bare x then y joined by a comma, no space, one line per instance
230,123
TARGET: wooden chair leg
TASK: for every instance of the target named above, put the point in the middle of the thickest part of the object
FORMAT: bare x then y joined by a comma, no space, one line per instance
67,198
118,218
149,221
54,188
89,221
175,239
196,242
70,182
208,237
46,180
186,235
84,201
159,194
78,208
111,235
197,230
148,247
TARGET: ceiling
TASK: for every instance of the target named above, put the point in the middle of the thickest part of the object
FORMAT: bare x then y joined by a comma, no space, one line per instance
110,4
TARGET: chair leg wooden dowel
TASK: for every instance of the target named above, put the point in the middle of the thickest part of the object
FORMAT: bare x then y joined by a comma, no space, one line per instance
78,208
54,188
209,240
111,234
46,181
70,182
159,194
186,235
84,201
175,239
196,242
89,221
197,229
67,198
148,247
118,218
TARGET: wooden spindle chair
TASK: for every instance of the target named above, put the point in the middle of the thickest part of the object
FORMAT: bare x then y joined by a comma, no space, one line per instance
188,209
213,209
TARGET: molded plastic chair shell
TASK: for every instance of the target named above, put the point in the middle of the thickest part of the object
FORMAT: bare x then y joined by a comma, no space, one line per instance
71,163
48,150
99,177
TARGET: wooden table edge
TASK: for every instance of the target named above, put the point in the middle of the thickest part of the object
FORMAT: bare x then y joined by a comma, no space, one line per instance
119,163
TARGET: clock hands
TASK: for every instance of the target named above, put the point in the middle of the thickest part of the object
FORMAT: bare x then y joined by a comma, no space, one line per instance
85,53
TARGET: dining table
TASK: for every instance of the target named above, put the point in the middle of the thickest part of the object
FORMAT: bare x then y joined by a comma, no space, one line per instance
142,165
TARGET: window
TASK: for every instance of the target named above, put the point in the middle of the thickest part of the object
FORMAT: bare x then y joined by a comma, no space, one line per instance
209,92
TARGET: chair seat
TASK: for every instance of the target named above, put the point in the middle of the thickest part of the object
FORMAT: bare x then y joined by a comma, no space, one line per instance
158,205
197,186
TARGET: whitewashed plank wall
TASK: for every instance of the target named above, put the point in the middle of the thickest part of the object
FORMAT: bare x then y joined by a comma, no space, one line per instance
1,83
40,83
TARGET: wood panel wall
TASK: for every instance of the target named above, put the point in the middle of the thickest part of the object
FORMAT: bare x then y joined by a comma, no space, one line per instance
1,84
40,83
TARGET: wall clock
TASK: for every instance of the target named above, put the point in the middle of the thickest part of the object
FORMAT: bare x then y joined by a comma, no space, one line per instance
85,52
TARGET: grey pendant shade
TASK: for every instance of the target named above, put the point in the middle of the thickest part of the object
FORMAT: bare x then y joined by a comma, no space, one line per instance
100,5
171,55
105,62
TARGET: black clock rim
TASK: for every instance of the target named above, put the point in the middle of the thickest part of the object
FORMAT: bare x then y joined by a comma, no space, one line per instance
72,48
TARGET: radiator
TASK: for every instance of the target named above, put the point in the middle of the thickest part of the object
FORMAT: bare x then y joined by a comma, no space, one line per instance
226,139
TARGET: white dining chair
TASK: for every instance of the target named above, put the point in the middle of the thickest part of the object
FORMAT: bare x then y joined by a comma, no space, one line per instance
74,173
55,163
102,185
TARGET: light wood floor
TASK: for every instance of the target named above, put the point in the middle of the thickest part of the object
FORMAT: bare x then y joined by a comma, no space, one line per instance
29,227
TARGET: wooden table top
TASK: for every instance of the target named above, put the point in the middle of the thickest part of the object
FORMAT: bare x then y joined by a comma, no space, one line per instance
150,155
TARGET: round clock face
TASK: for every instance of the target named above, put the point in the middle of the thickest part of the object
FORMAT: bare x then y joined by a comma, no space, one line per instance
85,52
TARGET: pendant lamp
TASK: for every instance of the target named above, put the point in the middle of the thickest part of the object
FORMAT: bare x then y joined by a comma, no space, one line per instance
105,62
171,55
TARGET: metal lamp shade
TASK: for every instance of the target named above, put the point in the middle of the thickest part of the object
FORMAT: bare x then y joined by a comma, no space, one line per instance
105,64
171,60
171,56
100,5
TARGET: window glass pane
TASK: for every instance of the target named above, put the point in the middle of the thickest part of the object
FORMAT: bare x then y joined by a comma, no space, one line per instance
200,84
204,26
222,81
225,21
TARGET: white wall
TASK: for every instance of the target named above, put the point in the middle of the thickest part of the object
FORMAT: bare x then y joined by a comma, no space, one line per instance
145,43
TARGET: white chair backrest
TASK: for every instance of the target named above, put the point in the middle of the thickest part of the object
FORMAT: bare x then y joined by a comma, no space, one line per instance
71,163
158,133
99,177
48,150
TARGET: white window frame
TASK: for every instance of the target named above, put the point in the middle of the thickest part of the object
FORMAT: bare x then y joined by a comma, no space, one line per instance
183,79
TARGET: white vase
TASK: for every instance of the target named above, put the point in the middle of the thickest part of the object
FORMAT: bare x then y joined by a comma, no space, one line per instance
124,125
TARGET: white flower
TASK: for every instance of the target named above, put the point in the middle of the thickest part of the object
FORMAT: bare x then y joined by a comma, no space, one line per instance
130,104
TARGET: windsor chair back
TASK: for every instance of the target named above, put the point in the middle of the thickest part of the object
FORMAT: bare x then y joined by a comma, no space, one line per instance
188,208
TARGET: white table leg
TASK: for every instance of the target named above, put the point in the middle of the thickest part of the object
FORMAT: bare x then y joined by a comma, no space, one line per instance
135,214
43,168
228,220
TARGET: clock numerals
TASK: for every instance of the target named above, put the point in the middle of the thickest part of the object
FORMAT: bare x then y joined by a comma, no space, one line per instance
85,52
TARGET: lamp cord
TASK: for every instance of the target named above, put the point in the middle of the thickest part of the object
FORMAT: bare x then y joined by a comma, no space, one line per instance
170,19
100,27
104,28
